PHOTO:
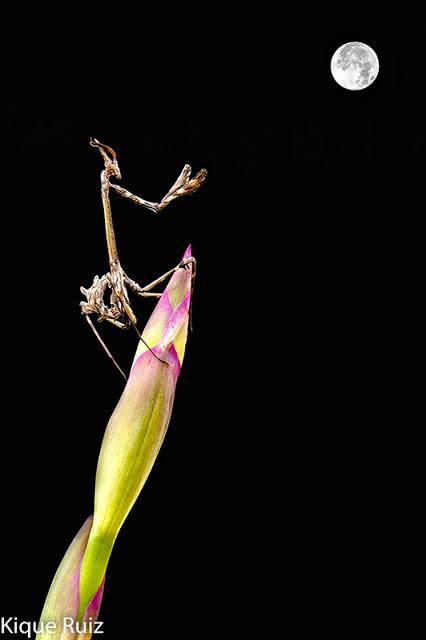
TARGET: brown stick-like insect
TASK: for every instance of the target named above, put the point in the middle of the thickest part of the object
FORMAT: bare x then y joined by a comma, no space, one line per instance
118,311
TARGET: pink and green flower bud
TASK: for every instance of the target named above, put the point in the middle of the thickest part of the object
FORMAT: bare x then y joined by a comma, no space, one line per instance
138,425
58,619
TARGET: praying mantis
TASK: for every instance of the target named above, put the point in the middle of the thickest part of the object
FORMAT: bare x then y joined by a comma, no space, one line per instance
118,310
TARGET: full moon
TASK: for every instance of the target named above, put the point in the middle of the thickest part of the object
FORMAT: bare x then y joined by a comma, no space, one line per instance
354,66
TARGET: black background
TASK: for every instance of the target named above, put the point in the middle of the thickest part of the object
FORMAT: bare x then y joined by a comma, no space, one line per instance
290,490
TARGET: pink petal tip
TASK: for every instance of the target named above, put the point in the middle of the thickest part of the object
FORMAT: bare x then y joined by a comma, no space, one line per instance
187,253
